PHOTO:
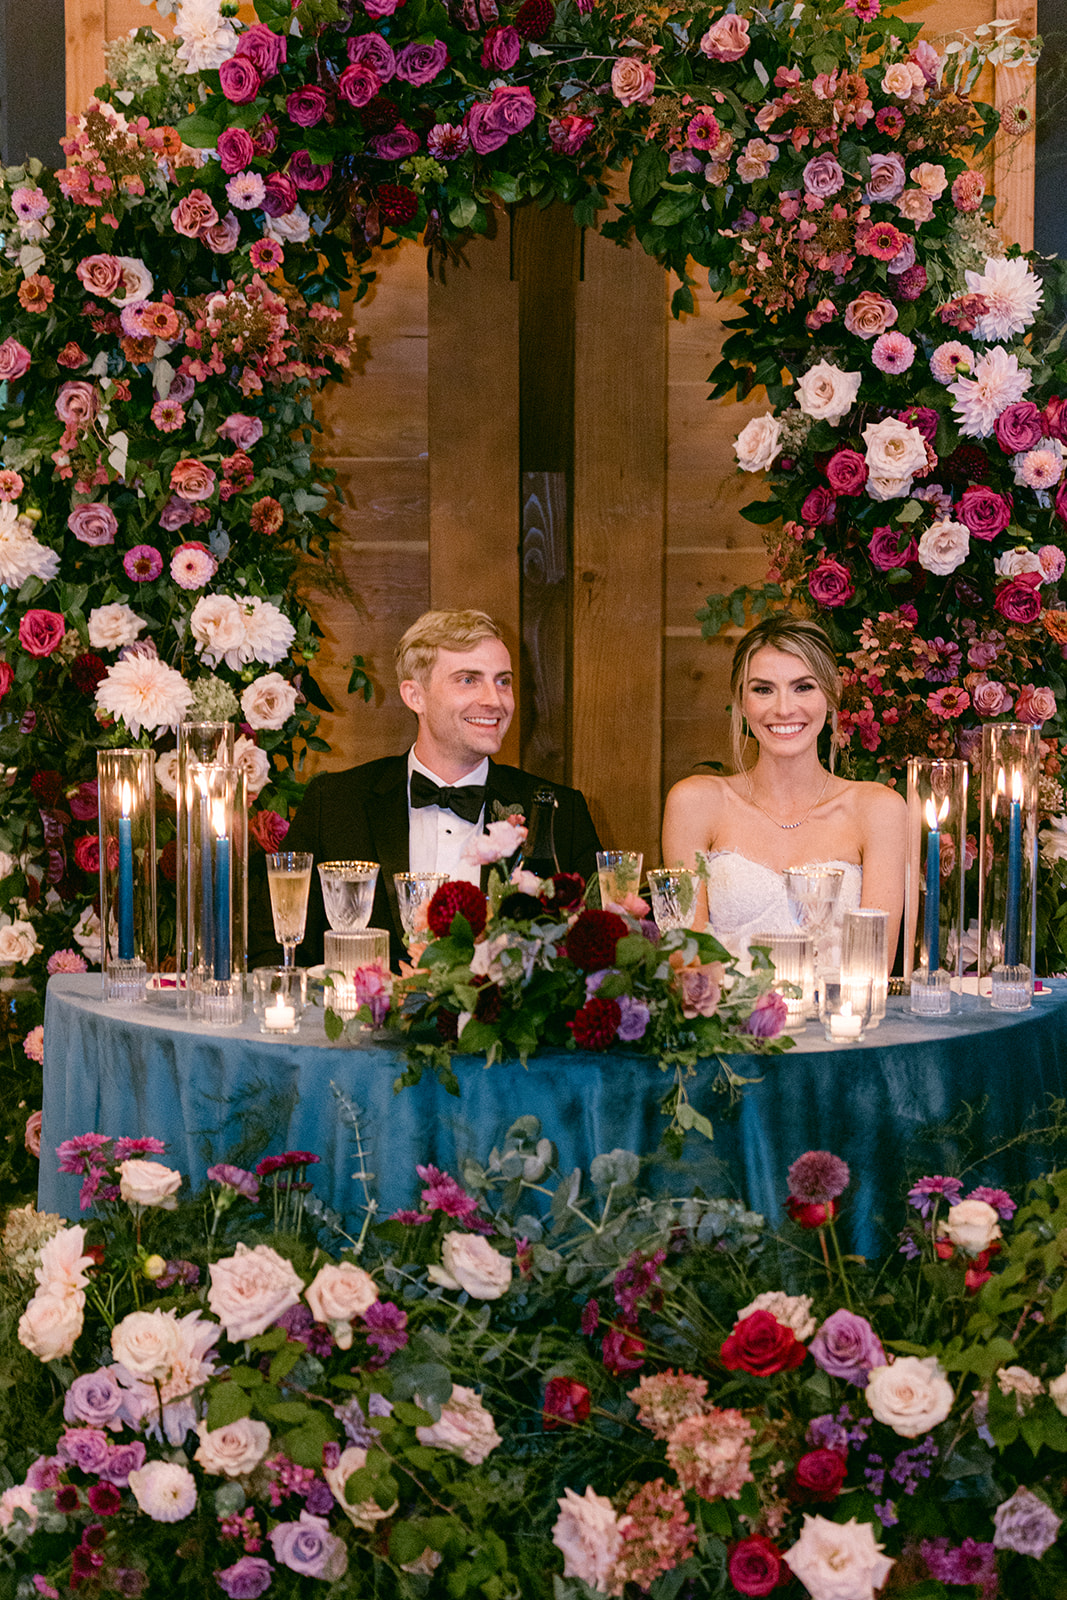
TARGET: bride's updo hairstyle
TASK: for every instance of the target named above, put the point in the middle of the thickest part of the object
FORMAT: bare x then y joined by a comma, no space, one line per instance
793,636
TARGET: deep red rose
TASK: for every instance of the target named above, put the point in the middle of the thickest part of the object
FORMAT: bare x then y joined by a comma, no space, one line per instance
87,852
846,472
85,801
818,506
1053,418
762,1345
7,677
268,829
566,1400
564,891
831,583
447,1023
453,899
1020,426
811,1214
1018,600
820,1474
168,861
47,788
86,671
756,1565
596,1024
592,941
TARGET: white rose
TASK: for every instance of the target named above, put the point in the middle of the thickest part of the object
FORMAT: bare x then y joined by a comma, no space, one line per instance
337,1294
838,1560
466,1427
145,1343
364,1513
51,1323
167,772
251,1289
588,1533
293,228
930,178
879,488
469,1262
218,626
8,864
1015,562
898,80
148,1183
254,763
758,443
269,702
137,282
893,449
19,1498
911,1396
944,546
826,393
1058,1391
111,627
18,942
233,1450
972,1226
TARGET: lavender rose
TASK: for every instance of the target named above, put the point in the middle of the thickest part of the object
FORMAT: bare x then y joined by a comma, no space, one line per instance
306,106
990,699
121,1461
492,123
93,524
309,1548
94,1398
235,150
1026,1524
887,178
84,1448
847,1347
768,1016
823,176
247,1579
14,360
374,52
1018,427
983,511
420,64
831,583
239,80
241,430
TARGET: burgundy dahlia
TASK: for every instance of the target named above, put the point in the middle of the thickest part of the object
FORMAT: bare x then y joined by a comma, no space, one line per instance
596,1024
395,203
86,672
380,114
47,788
534,18
592,940
457,899
447,1026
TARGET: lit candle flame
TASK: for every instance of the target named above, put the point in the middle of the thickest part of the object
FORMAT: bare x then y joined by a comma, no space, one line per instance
127,797
931,814
1017,786
219,818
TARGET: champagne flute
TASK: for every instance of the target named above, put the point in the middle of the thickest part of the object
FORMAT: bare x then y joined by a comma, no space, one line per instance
811,893
289,879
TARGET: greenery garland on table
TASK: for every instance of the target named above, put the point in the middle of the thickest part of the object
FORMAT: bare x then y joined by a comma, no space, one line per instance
529,1384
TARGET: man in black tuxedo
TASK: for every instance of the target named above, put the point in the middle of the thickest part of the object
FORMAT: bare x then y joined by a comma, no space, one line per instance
422,810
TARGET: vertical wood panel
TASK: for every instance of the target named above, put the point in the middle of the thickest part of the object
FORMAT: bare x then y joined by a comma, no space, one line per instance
473,408
86,26
619,473
1015,157
545,624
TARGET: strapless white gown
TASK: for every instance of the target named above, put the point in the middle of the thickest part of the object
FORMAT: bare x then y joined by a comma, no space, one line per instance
746,897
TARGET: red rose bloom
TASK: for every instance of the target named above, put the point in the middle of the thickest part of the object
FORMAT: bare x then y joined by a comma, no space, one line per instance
760,1344
811,1213
457,899
41,632
168,860
596,1024
563,892
1018,600
7,677
755,1565
268,829
820,1474
591,942
566,1400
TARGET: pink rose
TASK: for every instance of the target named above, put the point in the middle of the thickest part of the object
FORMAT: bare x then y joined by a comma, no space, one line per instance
991,699
100,275
239,80
381,8
501,48
242,431
93,524
32,1136
306,106
358,84
768,1016
492,123
915,206
831,583
193,213
700,989
41,632
887,178
846,472
727,39
632,82
14,360
251,1289
77,403
1018,600
266,49
222,237
885,552
568,134
420,64
235,150
192,480
870,314
983,511
374,52
1019,427
1034,705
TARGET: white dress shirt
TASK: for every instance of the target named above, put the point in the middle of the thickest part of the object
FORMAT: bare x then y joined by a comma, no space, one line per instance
437,839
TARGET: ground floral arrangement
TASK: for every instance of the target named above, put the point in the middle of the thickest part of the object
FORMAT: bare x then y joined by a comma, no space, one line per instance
530,966
531,1383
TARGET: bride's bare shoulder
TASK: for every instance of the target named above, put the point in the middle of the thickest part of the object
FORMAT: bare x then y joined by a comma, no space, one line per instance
699,792
877,801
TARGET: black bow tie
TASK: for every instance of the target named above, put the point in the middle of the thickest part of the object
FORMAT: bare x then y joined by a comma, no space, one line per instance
466,801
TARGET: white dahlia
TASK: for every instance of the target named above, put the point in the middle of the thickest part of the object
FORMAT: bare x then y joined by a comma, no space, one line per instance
21,555
218,625
145,693
1014,295
268,633
996,383
207,38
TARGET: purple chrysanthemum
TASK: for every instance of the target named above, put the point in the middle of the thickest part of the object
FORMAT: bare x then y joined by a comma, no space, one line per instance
1002,1202
927,1190
818,1177
387,1326
245,1183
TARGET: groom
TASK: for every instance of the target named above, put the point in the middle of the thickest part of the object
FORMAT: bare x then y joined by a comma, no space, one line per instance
420,811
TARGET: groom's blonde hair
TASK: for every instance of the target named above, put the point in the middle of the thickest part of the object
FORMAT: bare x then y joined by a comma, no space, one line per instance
440,630
793,636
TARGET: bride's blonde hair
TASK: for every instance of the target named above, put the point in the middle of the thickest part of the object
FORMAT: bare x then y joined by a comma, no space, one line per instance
793,636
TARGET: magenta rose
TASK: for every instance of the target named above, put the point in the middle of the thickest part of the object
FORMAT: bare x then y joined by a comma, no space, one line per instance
235,149
823,176
400,142
77,403
1034,705
984,512
193,213
14,360
358,84
1019,427
501,48
1054,419
819,1474
85,801
7,677
306,106
41,632
309,174
846,472
241,430
223,236
420,64
374,52
768,1016
192,480
818,506
93,524
239,80
991,699
100,275
382,8
1018,601
280,196
568,134
755,1565
885,552
831,583
924,419
264,48
491,123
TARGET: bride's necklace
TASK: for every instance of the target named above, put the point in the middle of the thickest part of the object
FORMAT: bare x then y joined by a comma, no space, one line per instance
786,827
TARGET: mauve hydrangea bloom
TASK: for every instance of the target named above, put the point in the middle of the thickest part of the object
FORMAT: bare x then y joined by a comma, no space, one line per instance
817,1177
711,1453
1025,1524
847,1347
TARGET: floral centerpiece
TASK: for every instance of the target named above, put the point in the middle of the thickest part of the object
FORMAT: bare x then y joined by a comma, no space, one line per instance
530,1383
530,966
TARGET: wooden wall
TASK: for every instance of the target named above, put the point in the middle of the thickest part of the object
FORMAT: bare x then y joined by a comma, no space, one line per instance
465,483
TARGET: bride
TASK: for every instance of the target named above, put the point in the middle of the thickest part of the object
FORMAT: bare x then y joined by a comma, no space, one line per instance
785,809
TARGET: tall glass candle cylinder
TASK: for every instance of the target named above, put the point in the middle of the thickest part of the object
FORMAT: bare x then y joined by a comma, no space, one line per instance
216,892
1007,849
935,868
126,783
209,743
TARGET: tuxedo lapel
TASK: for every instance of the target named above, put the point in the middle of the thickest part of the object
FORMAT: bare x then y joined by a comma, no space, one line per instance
388,818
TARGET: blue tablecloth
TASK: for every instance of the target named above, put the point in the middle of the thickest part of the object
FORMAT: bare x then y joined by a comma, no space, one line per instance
883,1105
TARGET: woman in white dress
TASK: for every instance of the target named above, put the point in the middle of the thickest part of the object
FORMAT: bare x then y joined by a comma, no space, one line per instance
785,808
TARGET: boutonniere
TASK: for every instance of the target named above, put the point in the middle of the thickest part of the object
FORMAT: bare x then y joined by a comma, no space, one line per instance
507,811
